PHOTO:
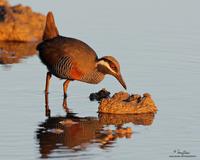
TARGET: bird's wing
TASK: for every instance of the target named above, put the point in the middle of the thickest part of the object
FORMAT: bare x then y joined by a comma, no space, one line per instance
68,51
84,57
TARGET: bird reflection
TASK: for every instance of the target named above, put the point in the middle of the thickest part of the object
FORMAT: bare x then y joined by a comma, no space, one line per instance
73,133
13,52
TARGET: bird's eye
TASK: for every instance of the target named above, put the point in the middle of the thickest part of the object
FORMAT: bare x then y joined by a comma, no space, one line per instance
113,67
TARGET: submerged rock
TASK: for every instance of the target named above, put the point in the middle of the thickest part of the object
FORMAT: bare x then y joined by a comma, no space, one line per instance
123,103
20,23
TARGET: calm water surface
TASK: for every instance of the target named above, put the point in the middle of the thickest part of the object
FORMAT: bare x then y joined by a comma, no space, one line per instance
158,46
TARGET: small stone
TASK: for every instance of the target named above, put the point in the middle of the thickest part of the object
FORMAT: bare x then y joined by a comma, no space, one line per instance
103,93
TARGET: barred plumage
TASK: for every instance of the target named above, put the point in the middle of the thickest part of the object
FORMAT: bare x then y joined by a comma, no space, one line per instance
62,67
93,77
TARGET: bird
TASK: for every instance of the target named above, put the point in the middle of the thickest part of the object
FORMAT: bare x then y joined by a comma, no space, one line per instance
72,59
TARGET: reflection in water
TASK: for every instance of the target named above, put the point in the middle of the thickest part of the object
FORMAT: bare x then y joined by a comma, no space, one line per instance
73,133
12,52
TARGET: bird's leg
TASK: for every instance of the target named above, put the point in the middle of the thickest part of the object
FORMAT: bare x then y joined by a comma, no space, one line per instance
48,77
65,86
65,107
47,110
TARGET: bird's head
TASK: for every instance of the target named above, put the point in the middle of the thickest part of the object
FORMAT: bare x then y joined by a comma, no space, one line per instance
109,65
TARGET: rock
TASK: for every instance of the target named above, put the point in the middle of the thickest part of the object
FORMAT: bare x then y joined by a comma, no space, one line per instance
123,103
99,95
20,23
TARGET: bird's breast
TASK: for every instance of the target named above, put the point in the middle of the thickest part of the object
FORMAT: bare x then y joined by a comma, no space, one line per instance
92,77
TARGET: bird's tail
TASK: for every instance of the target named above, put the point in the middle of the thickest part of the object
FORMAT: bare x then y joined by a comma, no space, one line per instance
50,30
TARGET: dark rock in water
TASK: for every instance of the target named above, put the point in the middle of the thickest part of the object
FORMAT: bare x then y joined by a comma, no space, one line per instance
99,95
20,23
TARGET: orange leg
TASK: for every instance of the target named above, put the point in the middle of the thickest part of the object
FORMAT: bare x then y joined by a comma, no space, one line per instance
65,86
65,107
47,110
48,77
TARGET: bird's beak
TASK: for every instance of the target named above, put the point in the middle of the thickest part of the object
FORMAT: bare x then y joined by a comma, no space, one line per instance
120,79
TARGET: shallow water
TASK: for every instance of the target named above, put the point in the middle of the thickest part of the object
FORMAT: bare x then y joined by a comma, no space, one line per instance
158,46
